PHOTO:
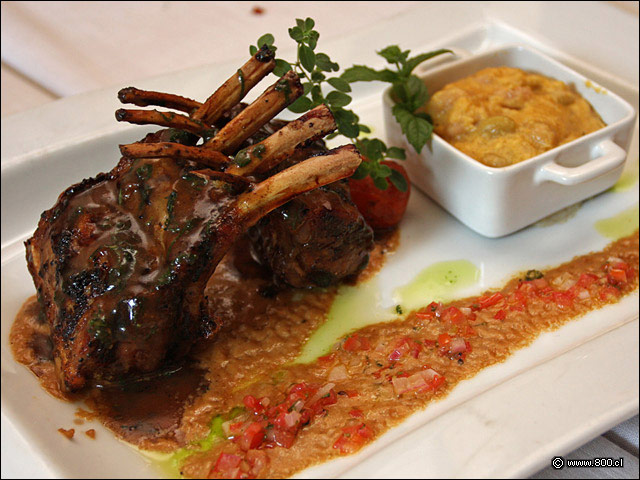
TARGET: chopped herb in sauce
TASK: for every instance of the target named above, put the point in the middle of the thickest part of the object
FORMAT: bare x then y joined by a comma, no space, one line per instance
533,275
171,201
196,181
241,81
243,158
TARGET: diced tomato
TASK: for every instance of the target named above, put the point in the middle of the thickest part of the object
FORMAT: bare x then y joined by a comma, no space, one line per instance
467,331
430,312
282,438
355,343
609,291
453,316
527,288
228,465
586,280
257,460
356,413
353,438
280,422
457,345
563,299
540,283
617,276
517,300
403,347
490,300
302,387
252,437
327,359
621,265
422,381
444,339
235,428
395,355
500,315
436,382
253,404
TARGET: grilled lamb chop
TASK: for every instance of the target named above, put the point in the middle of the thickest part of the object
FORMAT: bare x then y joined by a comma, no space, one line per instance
316,239
121,261
319,238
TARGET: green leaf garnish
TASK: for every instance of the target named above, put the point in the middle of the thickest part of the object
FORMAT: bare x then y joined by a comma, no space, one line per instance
408,92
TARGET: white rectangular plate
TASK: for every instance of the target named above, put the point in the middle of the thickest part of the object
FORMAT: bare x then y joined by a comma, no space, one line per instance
567,387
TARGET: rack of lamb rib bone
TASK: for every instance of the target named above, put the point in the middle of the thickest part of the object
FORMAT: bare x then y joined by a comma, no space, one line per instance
121,261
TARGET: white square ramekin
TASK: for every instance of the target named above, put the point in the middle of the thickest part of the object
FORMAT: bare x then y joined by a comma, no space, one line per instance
498,201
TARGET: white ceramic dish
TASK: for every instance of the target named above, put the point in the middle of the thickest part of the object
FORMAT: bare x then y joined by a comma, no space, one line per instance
499,201
568,387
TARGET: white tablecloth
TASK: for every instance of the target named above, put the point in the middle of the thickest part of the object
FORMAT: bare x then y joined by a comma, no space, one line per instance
56,49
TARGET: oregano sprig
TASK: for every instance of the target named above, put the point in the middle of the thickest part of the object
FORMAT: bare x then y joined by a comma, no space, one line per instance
407,90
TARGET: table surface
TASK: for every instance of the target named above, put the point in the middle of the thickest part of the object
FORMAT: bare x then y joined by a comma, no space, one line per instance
116,43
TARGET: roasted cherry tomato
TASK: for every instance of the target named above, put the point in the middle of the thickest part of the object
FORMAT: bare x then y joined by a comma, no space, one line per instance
382,209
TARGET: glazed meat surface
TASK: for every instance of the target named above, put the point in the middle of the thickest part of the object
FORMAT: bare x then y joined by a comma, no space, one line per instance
316,239
121,261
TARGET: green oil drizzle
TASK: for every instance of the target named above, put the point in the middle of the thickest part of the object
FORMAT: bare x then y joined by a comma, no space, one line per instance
359,306
625,182
618,226
438,283
353,308
169,464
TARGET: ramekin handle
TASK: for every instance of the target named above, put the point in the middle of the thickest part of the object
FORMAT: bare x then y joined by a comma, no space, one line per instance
458,54
609,156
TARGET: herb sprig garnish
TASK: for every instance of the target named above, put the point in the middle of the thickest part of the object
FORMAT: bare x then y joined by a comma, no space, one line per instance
376,151
409,93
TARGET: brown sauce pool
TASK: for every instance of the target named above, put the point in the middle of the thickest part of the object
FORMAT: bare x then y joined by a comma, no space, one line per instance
371,381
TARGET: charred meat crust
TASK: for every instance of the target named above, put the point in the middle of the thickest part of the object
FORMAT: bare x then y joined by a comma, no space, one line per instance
129,254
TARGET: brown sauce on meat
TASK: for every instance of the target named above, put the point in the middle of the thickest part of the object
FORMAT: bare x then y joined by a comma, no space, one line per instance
372,379
148,410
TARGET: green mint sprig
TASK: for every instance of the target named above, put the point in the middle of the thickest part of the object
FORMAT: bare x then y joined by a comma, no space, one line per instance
407,91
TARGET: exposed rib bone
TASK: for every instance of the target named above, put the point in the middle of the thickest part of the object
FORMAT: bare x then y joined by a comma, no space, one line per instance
165,119
237,86
144,98
267,154
264,108
222,176
312,173
211,158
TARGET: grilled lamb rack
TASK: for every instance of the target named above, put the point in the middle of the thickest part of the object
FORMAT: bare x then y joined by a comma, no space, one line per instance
122,260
